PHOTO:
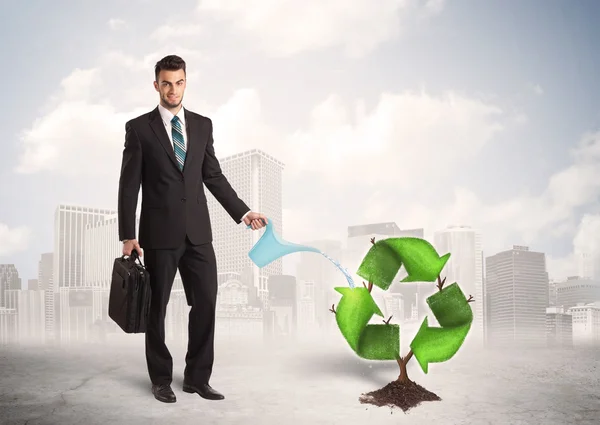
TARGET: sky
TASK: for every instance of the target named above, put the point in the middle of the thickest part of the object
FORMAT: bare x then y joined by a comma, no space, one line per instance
428,113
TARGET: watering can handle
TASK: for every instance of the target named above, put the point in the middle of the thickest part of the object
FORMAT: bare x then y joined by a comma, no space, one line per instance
250,227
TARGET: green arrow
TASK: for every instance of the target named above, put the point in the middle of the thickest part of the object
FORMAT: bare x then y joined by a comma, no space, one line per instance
369,341
454,314
384,259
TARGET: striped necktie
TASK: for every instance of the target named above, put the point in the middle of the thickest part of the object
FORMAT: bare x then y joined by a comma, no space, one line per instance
178,142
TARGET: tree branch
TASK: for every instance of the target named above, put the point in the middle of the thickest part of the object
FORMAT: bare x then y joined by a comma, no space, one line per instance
471,299
332,309
441,282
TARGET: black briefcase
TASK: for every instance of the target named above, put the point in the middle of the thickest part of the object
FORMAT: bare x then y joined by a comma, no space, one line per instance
129,300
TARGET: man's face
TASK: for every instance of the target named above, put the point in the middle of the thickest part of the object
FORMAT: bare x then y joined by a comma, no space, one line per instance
170,86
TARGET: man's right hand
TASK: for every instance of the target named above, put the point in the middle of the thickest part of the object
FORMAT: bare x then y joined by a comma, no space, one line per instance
130,245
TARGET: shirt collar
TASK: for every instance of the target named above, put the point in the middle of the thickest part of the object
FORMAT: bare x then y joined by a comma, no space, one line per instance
167,116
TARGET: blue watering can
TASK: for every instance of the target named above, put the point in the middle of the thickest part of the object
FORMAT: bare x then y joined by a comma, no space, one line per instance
270,247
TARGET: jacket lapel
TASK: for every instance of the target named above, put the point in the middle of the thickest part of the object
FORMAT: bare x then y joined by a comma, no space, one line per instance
159,130
192,132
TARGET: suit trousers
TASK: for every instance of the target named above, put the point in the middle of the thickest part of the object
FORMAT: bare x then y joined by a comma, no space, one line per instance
198,270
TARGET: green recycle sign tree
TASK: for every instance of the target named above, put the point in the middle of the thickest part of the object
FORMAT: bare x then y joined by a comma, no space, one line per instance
382,341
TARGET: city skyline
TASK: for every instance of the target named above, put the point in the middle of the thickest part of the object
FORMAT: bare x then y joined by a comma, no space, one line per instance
515,301
518,303
86,248
583,264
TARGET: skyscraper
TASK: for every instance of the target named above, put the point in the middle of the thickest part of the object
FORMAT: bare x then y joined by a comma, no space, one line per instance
9,282
70,222
45,266
517,289
465,267
9,279
30,309
575,290
257,179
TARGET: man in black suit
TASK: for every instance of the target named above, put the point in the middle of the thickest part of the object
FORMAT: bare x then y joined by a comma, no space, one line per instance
169,152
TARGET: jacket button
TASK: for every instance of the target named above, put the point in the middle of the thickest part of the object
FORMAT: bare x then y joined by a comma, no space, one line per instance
183,199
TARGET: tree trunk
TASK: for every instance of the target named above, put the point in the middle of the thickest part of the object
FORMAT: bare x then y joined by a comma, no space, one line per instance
403,377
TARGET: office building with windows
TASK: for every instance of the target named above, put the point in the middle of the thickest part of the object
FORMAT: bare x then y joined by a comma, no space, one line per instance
257,179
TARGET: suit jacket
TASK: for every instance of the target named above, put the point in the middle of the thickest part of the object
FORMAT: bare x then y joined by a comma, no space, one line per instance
174,203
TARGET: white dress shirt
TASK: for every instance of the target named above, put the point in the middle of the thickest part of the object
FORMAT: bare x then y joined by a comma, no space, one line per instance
167,116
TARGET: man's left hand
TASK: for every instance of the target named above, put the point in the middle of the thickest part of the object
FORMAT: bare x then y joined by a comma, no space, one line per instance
255,220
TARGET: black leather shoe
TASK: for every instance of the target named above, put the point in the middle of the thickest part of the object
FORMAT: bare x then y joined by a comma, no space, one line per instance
204,391
164,393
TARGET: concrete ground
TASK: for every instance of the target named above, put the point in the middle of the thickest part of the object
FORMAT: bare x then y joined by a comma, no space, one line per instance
307,383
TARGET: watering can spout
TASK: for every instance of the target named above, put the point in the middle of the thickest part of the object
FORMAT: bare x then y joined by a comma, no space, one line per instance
271,247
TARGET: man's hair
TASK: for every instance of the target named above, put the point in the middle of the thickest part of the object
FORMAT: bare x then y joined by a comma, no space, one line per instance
169,63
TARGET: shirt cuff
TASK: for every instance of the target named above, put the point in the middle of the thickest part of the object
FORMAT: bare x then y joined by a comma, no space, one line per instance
244,216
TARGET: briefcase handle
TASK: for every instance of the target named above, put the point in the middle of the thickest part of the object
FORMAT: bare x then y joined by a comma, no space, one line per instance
135,256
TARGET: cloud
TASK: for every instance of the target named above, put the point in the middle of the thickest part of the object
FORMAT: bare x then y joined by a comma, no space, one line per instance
80,124
81,131
587,238
537,89
586,241
369,155
239,125
174,31
76,138
559,268
14,239
434,7
521,118
288,27
521,219
116,23
402,134
404,131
